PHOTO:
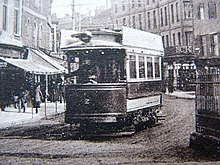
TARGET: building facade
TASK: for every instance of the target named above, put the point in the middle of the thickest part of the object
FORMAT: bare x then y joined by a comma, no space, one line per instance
36,24
25,36
206,28
10,28
24,23
173,20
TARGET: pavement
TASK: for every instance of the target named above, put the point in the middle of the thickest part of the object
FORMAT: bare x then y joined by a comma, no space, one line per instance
182,94
11,117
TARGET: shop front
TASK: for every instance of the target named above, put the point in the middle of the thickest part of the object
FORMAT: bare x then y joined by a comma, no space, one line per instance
21,75
180,68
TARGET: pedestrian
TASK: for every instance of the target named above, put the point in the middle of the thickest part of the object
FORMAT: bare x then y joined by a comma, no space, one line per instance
23,100
170,86
38,97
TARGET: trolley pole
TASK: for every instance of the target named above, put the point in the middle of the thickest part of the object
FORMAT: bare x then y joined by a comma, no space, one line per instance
73,15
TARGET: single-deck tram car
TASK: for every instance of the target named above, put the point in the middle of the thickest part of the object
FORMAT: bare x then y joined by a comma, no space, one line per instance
114,81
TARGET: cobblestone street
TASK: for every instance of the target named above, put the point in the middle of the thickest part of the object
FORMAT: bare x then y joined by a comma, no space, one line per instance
166,143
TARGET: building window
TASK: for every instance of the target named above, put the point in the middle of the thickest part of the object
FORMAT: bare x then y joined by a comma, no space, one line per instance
153,1
155,19
201,15
5,15
203,46
140,22
172,14
28,27
187,10
17,17
189,37
148,19
124,21
41,35
166,18
161,17
27,3
27,31
116,22
37,3
177,12
133,4
116,8
163,41
167,39
214,45
35,36
212,10
148,2
123,7
179,38
174,39
139,3
133,22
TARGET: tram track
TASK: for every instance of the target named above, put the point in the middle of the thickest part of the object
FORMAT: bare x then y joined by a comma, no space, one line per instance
165,143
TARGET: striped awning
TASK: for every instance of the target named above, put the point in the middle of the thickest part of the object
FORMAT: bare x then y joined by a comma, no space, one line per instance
36,64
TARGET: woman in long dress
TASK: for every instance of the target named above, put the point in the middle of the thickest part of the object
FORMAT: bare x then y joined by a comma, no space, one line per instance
38,96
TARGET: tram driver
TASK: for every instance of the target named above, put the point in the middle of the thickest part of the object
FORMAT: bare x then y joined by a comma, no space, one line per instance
88,72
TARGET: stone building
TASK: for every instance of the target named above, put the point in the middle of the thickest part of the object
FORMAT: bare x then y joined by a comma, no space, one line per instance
173,20
10,28
36,23
24,23
206,28
25,40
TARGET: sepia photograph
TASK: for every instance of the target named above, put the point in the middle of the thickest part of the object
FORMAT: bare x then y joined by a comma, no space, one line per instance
110,82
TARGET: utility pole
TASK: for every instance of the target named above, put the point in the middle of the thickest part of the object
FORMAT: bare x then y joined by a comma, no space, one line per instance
106,5
80,18
73,14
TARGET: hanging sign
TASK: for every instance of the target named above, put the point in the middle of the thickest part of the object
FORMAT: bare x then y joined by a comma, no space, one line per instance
184,50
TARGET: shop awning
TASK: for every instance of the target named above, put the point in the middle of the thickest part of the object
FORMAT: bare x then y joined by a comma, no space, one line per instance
37,63
32,66
45,60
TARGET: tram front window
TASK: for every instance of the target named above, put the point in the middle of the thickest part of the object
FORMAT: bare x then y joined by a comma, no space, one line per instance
97,67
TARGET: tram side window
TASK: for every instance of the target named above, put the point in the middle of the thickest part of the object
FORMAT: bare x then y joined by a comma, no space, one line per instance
141,67
133,73
157,67
149,68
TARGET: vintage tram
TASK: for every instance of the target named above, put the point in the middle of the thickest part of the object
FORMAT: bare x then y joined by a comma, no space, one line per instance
114,82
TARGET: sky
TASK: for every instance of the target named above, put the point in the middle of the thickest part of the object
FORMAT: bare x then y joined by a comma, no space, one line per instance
61,8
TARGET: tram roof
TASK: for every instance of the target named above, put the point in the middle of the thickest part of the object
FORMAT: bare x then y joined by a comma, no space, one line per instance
93,44
126,38
141,39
